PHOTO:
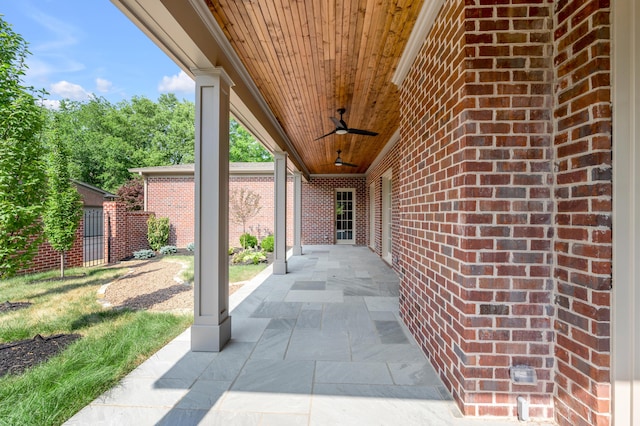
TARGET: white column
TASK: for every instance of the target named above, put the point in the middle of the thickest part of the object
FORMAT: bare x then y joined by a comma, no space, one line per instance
625,309
211,328
280,203
297,213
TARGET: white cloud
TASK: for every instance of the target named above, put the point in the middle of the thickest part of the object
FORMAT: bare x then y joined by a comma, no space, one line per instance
50,104
180,82
72,91
103,85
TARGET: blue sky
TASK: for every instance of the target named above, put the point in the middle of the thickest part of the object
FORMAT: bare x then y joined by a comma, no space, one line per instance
81,48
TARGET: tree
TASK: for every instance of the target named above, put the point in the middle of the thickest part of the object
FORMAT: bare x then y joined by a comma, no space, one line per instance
132,193
22,177
244,204
63,209
243,147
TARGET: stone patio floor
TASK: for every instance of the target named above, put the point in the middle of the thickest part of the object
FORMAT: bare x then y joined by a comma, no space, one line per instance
322,345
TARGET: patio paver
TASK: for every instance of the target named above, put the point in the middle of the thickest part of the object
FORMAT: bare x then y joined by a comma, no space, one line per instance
322,345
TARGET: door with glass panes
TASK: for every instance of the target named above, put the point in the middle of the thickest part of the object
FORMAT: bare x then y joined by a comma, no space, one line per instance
345,213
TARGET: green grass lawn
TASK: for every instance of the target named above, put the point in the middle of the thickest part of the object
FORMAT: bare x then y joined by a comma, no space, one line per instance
237,273
113,343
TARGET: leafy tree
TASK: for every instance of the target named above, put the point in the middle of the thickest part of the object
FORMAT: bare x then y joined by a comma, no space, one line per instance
22,177
64,205
243,147
132,193
244,204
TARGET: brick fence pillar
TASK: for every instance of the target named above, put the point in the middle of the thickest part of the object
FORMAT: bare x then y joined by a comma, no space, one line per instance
115,230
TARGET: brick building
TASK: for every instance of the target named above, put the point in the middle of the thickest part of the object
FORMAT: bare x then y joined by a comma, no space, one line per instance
494,198
169,192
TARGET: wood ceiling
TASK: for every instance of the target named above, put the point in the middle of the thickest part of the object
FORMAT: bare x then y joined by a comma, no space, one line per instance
311,57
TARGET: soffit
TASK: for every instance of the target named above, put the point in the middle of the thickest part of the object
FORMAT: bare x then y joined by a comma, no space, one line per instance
309,58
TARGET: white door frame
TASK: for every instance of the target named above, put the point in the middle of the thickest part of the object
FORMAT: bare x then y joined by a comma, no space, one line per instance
387,216
351,240
372,216
625,326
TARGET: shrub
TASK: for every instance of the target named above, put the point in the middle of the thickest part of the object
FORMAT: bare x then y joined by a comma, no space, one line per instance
144,254
191,246
248,240
231,250
157,231
132,193
168,249
268,243
248,256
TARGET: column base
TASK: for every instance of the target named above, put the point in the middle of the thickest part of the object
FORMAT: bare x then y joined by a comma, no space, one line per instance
210,338
296,250
279,267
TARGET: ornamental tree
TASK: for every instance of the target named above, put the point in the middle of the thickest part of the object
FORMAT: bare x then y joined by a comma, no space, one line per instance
63,209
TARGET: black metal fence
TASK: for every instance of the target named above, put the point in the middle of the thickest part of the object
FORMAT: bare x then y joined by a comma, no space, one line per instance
93,236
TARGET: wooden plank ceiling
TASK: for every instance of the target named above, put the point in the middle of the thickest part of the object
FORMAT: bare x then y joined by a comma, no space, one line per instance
311,57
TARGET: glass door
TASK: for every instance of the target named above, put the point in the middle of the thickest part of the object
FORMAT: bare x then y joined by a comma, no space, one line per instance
345,216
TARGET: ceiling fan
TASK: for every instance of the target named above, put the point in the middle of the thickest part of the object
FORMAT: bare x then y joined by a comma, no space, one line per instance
340,163
342,128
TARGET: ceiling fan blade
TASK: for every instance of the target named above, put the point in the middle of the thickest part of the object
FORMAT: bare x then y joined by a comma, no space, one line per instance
349,164
362,132
324,136
339,123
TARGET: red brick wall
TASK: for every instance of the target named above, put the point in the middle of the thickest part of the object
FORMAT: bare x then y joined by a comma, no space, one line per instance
173,197
503,204
137,231
318,206
583,188
47,258
475,202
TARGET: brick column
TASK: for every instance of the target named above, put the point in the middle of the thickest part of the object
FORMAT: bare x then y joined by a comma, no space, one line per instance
115,230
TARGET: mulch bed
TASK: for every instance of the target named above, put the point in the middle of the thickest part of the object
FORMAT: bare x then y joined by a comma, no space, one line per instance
16,357
13,306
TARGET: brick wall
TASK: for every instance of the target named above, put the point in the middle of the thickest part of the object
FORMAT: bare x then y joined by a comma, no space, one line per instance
262,224
173,197
502,205
136,231
583,250
47,258
318,206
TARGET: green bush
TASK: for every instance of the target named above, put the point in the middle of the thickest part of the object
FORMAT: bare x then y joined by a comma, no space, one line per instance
157,231
248,240
268,243
231,250
248,256
191,246
144,254
168,249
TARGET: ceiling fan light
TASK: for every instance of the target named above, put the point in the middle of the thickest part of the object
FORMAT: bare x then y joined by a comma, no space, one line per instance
341,132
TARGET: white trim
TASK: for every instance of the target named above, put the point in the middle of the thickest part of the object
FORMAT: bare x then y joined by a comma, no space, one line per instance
395,137
625,309
386,245
424,23
351,240
372,216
